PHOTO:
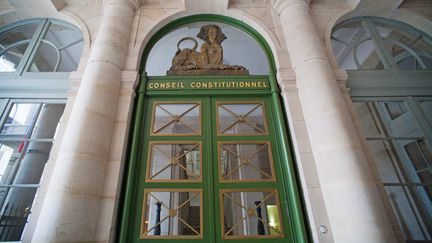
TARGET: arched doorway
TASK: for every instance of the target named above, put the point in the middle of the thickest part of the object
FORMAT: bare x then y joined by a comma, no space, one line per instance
209,158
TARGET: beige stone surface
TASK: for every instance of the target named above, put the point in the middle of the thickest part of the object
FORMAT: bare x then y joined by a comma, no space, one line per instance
83,175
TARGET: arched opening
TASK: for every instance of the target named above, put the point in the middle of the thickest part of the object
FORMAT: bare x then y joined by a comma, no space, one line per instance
388,65
209,159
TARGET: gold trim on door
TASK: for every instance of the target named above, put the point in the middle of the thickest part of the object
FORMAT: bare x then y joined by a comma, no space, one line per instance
241,118
176,118
172,213
251,212
225,172
173,161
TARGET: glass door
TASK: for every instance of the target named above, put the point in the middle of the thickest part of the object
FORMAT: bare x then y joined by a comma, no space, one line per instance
247,178
210,172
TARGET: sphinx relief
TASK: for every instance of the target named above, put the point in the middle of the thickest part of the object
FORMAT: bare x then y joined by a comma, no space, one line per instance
209,60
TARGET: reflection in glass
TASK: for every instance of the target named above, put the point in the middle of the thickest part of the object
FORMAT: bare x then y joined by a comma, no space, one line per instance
400,122
20,118
59,50
366,57
170,213
239,48
15,212
175,161
175,118
426,107
251,213
366,114
355,48
403,159
241,119
410,49
26,139
13,45
245,161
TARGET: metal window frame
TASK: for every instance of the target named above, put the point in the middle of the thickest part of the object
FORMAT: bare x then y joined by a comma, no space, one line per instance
404,169
369,23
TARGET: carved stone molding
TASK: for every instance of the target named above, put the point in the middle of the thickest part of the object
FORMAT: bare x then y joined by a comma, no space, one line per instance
281,5
132,4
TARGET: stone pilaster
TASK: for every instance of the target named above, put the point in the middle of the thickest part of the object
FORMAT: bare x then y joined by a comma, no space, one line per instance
73,196
354,207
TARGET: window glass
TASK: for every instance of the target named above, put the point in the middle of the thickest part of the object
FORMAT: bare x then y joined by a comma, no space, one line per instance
26,138
241,119
426,107
353,47
403,159
13,45
251,214
176,118
59,51
172,212
410,50
361,43
238,49
245,161
174,162
20,120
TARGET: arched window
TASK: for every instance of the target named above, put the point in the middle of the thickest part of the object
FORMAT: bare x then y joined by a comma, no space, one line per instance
388,65
238,48
376,43
40,46
36,57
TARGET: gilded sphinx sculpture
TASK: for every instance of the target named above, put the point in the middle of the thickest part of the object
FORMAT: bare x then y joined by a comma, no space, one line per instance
209,60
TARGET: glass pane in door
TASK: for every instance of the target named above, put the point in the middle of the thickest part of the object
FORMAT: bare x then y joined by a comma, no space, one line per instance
170,213
241,118
245,161
253,213
171,161
176,118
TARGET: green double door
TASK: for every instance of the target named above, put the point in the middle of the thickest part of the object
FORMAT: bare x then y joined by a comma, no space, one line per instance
209,171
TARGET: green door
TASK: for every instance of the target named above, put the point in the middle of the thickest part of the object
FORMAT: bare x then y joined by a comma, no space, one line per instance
209,168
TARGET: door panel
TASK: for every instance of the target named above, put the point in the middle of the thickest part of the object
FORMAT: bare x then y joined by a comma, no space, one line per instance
210,172
248,185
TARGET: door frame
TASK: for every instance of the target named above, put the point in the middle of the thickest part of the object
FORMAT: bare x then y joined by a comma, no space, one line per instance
295,210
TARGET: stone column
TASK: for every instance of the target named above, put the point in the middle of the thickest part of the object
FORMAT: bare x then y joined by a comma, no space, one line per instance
355,210
73,196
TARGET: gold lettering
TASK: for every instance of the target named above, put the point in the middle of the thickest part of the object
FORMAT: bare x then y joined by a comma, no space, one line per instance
150,85
182,85
247,84
254,84
204,85
242,84
223,84
265,84
260,84
210,85
167,85
162,85
192,85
